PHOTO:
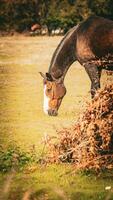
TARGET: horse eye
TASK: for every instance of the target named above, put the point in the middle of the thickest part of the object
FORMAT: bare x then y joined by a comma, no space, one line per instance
48,90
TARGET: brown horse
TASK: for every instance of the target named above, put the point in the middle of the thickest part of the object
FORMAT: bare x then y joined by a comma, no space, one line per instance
90,43
35,27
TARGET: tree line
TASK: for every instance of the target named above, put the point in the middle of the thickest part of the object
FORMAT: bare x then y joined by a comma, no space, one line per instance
20,15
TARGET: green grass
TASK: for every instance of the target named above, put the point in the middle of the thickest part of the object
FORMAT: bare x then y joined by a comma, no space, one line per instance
23,123
57,182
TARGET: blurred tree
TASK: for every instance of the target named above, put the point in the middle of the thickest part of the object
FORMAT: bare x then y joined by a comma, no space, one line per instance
20,15
26,13
2,15
52,23
71,2
82,9
102,8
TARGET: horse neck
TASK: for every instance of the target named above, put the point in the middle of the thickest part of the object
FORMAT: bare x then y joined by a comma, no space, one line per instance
64,55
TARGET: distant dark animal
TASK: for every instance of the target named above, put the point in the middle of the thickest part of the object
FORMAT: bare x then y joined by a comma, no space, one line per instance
90,43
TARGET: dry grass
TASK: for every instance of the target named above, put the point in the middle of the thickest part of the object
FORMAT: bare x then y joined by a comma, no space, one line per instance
89,142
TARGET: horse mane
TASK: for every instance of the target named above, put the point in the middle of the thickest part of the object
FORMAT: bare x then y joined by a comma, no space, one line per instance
60,45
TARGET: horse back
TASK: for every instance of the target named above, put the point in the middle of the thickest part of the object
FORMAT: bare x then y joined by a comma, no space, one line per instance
94,38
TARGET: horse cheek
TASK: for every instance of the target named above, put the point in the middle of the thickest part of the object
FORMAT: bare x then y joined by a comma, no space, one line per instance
59,102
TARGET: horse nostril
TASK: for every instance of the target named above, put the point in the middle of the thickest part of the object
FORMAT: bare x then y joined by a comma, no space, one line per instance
55,113
52,112
49,112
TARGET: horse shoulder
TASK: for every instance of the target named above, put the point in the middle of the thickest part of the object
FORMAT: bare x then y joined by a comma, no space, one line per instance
94,38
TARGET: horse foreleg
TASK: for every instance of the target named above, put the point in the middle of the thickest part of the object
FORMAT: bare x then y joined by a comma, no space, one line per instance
94,74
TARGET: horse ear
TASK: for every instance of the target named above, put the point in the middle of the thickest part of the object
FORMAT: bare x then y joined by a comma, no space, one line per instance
49,77
44,76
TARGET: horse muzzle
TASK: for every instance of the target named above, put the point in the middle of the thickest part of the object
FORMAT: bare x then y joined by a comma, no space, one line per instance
52,112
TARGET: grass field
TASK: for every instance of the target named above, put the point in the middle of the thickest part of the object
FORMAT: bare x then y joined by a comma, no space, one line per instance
24,124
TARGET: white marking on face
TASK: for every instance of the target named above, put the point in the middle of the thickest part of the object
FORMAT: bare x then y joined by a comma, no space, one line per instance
46,101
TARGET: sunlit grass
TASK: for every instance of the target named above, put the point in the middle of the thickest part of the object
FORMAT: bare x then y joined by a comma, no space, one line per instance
57,182
24,124
22,90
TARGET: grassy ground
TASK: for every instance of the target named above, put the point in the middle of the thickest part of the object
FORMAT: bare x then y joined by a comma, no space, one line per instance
23,123
56,183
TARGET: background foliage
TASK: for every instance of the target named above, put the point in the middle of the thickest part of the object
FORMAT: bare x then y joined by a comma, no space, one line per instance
20,15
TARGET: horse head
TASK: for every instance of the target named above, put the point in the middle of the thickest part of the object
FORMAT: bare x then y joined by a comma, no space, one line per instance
54,91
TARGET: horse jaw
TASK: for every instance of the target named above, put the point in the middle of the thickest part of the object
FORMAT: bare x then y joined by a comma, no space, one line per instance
46,102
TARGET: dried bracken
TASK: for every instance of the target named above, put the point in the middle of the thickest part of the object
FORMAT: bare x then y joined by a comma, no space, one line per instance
89,142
